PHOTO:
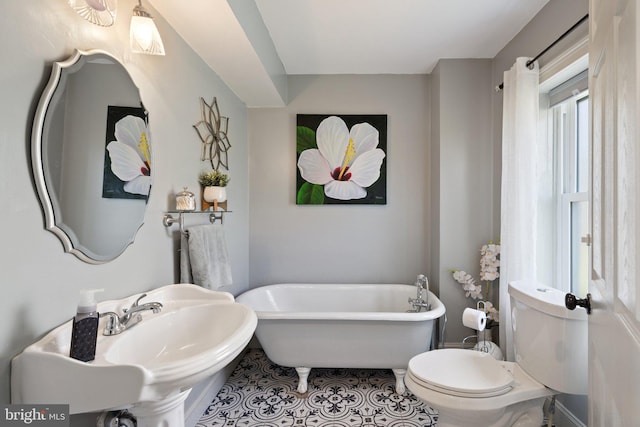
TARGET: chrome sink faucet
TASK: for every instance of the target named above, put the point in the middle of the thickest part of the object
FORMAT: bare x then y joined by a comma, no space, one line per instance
418,303
117,324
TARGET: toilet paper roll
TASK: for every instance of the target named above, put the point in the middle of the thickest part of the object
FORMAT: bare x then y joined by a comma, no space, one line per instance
474,319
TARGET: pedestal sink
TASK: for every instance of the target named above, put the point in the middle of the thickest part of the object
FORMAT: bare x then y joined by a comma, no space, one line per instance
148,369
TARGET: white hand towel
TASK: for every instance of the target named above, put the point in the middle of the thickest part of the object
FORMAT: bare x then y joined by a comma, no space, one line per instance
209,257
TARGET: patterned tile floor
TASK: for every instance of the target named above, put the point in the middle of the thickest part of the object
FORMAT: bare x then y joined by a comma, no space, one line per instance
260,393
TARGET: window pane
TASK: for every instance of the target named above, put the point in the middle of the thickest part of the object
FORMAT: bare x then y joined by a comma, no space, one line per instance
579,251
582,146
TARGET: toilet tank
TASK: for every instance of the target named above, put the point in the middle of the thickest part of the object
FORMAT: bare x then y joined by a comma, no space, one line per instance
550,341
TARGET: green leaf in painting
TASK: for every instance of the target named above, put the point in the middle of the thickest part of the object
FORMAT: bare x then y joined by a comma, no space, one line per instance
310,194
305,139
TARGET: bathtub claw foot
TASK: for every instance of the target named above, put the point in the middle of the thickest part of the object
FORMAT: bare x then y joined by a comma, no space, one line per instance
400,373
303,375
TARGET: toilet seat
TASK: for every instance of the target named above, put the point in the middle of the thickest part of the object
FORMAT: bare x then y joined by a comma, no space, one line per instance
463,373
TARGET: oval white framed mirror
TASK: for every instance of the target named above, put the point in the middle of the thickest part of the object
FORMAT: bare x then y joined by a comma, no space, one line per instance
91,156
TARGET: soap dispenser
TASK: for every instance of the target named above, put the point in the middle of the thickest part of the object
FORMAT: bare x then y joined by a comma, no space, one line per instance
85,327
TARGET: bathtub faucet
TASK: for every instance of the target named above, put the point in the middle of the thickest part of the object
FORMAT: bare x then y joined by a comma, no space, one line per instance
117,324
420,302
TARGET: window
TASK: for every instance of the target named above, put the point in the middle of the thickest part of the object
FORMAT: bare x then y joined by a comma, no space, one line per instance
569,119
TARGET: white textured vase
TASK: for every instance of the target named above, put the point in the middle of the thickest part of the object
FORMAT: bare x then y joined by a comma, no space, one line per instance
215,193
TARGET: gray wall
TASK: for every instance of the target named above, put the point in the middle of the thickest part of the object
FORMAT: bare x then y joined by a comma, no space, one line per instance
439,187
462,177
39,282
342,243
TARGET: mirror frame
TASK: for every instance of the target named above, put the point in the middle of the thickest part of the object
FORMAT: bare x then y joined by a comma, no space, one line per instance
48,203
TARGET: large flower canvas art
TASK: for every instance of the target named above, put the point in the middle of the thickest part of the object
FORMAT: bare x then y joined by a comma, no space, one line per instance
341,159
127,159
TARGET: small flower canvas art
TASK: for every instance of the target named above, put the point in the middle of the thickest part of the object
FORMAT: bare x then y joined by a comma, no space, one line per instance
341,159
127,157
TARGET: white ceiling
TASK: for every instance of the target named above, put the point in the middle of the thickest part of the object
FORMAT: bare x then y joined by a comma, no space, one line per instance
252,44
389,36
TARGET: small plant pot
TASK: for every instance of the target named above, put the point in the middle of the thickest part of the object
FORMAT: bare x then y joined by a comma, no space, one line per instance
212,193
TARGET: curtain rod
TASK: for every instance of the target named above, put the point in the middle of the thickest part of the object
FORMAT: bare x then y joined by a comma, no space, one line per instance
555,42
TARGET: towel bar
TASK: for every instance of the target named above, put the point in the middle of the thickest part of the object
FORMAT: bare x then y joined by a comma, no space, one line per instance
168,220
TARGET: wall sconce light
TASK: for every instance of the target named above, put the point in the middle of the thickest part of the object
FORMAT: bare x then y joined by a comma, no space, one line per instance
143,34
99,12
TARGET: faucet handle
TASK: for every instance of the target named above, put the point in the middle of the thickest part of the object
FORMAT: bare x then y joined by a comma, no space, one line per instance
135,303
113,326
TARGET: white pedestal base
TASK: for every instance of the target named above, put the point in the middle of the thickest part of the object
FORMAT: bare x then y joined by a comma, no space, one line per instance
163,413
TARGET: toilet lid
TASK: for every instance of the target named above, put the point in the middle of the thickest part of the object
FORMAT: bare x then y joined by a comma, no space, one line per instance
460,372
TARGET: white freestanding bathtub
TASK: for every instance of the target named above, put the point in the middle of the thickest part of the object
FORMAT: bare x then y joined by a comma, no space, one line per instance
308,326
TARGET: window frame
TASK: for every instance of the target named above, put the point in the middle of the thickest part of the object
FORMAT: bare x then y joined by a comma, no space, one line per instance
563,118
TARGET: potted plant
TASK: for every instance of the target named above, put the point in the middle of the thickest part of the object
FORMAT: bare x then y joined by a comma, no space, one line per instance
214,184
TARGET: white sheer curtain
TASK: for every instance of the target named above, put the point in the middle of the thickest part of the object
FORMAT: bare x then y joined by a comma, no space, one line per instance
518,215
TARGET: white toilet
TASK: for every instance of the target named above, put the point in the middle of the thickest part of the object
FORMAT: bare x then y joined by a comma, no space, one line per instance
471,388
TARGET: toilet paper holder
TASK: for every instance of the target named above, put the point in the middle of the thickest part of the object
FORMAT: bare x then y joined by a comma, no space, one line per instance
482,336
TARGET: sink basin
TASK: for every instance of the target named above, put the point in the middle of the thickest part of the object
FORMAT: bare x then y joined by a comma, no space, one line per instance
183,342
197,333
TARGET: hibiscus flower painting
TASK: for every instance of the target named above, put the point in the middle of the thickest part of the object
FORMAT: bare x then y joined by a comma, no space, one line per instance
127,159
341,159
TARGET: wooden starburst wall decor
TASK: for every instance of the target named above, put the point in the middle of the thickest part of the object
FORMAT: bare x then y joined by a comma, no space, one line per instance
212,130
